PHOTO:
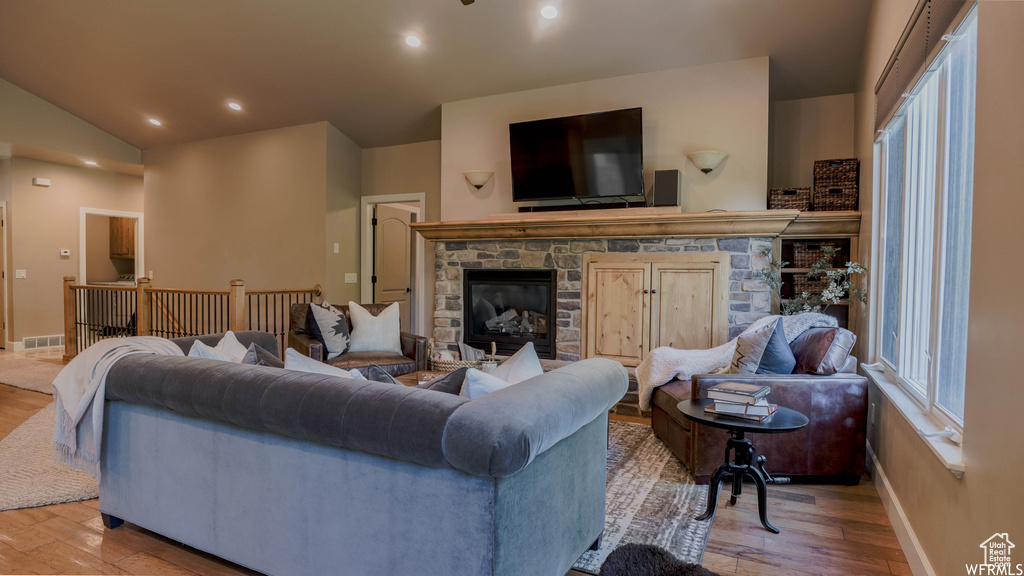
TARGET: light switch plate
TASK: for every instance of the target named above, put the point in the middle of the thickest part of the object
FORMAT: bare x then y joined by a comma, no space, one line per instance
65,253
351,278
21,273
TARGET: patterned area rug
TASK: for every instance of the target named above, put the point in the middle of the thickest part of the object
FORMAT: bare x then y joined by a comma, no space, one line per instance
28,374
28,475
652,499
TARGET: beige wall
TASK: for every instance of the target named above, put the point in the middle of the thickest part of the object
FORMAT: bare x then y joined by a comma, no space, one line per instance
249,207
409,169
344,180
27,120
807,130
721,106
405,169
42,221
950,517
98,265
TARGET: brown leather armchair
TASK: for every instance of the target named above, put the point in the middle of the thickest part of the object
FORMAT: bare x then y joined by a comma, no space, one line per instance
414,348
831,448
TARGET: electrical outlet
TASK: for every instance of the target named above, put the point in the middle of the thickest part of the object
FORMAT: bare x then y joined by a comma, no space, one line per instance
336,247
351,278
872,412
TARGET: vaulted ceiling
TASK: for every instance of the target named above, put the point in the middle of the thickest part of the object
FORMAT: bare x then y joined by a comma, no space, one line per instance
117,63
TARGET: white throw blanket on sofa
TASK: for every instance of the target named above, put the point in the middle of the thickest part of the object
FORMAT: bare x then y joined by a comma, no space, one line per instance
78,392
664,364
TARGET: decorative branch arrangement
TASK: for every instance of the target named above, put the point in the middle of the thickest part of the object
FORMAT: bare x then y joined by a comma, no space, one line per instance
830,285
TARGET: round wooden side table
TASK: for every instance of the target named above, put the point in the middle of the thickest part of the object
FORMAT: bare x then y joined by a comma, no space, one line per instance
745,460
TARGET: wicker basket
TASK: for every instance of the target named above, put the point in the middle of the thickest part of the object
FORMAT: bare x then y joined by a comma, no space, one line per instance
807,252
789,199
836,184
453,365
801,284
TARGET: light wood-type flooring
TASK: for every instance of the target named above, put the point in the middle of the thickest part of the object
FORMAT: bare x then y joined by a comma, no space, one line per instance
835,530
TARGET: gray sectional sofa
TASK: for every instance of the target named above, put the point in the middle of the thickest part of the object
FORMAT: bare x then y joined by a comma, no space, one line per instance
291,473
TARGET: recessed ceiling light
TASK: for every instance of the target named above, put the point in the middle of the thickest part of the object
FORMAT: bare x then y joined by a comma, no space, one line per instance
549,12
155,122
413,41
234,105
90,162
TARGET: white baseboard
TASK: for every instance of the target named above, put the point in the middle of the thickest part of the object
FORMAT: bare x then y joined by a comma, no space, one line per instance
916,558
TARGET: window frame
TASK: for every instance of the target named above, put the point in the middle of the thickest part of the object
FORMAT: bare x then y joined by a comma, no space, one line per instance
927,397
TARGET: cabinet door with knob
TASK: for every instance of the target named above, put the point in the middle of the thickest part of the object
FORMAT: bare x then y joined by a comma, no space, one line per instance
637,302
122,237
616,311
683,306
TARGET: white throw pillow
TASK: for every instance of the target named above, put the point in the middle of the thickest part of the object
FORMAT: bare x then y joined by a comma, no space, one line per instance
523,365
230,345
200,350
333,328
295,360
479,384
380,333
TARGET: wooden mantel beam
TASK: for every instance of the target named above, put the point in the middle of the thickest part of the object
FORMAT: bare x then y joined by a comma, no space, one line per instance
761,223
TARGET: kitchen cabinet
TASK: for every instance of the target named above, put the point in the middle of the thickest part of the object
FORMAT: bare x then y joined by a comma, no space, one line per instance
122,237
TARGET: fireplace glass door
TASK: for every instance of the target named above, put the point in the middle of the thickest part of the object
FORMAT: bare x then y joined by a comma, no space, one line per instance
510,308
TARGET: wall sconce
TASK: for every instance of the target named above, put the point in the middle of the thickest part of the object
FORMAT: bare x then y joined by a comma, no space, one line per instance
707,160
478,177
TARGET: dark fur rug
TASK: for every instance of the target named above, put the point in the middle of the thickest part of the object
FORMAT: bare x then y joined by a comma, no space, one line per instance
648,560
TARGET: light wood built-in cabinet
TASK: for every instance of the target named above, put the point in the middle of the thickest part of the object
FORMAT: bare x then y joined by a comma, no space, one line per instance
122,237
634,303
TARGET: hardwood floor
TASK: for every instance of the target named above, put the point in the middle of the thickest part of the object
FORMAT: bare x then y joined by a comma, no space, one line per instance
835,530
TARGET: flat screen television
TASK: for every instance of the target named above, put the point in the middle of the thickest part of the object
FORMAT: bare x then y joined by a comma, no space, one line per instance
583,156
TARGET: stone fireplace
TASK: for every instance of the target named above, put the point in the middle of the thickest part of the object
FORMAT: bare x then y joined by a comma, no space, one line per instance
561,242
748,298
509,308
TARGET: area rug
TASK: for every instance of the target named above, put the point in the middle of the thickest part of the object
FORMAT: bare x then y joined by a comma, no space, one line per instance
28,374
28,475
652,499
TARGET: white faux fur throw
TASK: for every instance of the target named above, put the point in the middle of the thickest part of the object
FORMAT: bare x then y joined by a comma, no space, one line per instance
664,364
78,392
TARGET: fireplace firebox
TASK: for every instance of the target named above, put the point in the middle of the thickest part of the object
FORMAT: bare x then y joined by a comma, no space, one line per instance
510,307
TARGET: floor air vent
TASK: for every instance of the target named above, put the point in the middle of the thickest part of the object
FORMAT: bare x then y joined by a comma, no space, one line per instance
35,342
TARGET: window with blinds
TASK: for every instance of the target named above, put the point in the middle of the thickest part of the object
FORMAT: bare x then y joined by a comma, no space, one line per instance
927,159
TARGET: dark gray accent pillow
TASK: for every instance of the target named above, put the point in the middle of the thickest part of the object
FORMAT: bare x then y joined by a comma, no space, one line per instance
450,382
256,355
777,357
377,374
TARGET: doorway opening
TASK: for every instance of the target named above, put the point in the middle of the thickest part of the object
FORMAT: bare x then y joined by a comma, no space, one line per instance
393,255
111,248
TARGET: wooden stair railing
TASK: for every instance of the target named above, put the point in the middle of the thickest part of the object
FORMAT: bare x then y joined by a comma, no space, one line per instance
173,313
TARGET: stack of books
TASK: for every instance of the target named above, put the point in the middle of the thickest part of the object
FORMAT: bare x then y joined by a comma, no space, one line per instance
741,400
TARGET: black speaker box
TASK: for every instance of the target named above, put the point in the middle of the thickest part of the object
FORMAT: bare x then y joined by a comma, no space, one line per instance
666,188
